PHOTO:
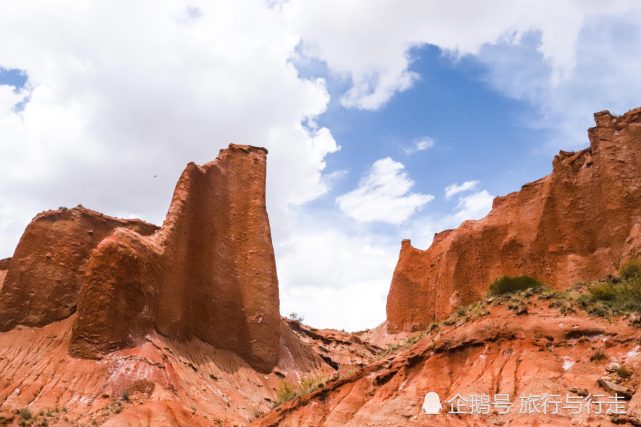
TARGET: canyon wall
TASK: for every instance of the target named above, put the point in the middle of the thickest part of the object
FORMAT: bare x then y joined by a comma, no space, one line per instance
578,223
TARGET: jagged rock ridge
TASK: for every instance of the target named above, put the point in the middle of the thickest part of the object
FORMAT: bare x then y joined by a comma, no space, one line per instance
578,223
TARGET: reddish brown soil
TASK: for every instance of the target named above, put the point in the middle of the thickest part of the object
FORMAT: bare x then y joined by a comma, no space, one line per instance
160,382
538,352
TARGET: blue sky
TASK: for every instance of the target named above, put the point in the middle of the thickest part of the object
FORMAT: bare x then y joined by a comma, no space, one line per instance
370,111
12,77
478,132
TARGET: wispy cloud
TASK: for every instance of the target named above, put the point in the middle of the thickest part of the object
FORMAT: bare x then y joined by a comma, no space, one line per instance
422,144
453,189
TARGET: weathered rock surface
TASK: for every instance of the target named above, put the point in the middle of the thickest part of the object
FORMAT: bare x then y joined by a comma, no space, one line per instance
43,278
538,354
118,322
208,273
160,382
341,351
578,223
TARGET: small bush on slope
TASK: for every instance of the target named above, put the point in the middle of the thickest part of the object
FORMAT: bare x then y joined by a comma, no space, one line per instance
616,296
511,284
630,269
287,390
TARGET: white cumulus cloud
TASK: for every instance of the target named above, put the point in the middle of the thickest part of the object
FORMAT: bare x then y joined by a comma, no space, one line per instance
121,99
383,195
474,206
370,42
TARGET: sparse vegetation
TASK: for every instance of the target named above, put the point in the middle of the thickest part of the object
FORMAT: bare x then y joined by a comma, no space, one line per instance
312,382
512,284
42,418
125,397
296,317
630,269
257,412
598,355
25,418
287,390
25,414
614,296
623,372
404,344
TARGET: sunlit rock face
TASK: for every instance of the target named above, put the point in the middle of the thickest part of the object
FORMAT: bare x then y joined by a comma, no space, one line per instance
578,223
208,273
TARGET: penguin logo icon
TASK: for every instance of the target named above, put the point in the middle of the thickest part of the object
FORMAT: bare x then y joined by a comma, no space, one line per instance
432,404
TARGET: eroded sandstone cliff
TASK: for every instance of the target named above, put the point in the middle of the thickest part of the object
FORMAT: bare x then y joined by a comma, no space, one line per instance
44,276
578,223
208,273
119,322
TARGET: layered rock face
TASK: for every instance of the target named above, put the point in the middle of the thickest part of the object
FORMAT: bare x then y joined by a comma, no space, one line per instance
542,353
578,223
208,273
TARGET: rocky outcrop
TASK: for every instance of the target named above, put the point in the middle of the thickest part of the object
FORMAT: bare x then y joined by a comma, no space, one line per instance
578,223
43,278
160,382
542,357
208,273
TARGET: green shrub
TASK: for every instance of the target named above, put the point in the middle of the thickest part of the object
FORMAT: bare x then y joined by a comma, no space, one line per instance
613,297
511,284
630,269
604,291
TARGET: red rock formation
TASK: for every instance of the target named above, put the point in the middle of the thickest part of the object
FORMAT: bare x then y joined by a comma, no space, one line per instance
44,275
208,273
578,223
540,353
4,266
166,382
